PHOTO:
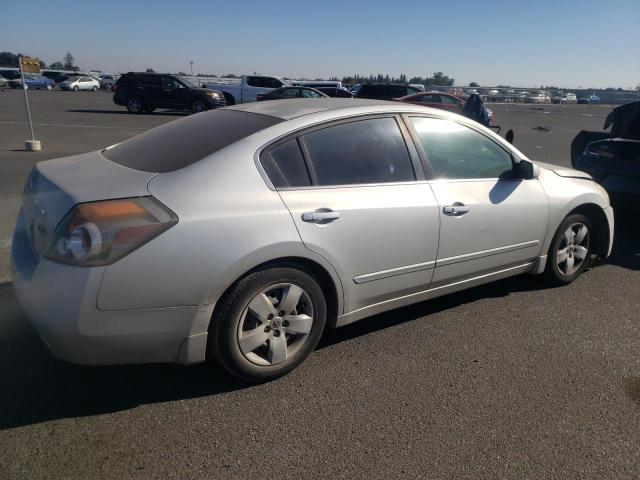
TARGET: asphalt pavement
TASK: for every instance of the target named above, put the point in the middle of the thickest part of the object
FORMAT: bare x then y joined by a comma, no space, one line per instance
508,380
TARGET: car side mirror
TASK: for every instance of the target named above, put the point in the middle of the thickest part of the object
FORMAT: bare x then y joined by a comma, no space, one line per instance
527,170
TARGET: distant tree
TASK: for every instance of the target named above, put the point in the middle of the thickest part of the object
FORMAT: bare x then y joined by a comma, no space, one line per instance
231,75
8,59
69,62
403,78
182,74
57,66
150,70
474,84
440,79
42,64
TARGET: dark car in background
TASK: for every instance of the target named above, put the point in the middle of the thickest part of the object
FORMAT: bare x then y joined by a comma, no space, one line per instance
613,159
33,81
107,82
144,92
284,93
57,77
384,91
336,92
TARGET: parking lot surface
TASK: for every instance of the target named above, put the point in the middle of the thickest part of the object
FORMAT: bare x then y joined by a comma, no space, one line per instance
508,380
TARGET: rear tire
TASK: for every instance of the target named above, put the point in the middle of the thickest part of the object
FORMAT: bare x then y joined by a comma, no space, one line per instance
75,88
268,324
135,105
95,89
149,109
570,250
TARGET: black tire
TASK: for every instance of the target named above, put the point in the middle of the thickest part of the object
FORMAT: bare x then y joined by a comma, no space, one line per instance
75,88
228,98
223,338
135,105
198,106
553,272
149,109
95,89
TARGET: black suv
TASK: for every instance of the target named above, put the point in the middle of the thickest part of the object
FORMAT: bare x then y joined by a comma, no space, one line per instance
385,91
144,92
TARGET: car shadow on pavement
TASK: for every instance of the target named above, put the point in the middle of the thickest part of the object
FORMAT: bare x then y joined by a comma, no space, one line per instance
34,387
172,113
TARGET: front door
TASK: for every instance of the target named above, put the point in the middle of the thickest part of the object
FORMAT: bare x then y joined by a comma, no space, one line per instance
489,220
364,209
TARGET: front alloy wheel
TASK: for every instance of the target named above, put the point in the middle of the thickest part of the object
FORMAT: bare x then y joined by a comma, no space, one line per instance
570,250
268,323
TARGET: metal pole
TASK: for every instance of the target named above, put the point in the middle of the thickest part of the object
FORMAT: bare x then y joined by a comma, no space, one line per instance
26,99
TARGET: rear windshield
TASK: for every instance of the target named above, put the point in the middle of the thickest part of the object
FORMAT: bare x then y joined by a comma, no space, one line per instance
182,142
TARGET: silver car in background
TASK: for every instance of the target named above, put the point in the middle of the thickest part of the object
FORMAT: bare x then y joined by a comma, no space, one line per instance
80,83
238,234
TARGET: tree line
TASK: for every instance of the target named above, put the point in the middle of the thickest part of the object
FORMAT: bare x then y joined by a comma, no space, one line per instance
9,59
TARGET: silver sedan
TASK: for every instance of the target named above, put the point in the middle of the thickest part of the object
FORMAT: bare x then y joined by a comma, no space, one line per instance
238,234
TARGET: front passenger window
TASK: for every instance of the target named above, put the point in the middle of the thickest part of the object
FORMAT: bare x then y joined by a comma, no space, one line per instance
456,151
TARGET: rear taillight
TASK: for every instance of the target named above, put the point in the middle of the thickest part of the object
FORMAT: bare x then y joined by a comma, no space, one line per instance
99,233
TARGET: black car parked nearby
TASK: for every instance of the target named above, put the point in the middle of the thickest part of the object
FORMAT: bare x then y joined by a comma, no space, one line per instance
385,91
613,159
290,92
338,92
144,92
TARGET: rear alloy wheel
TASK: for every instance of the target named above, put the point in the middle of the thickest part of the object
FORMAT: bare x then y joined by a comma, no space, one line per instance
570,250
135,105
95,89
269,323
198,106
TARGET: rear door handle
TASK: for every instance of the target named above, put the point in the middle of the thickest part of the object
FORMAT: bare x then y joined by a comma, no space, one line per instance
320,216
456,209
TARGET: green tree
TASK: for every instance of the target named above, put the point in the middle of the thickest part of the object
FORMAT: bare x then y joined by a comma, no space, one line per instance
150,70
69,62
8,59
57,66
474,84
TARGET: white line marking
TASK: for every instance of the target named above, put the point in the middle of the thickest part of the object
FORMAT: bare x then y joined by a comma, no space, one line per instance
76,126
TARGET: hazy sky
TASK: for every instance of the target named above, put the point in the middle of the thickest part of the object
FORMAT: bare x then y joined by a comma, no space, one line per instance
572,43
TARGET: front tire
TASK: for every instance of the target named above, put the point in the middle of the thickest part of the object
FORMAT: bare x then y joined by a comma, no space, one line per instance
49,87
75,88
198,106
268,324
570,250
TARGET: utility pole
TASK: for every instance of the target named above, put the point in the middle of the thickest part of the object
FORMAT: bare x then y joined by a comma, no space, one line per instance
191,63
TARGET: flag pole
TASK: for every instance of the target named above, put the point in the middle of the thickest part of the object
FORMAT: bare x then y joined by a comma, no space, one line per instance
26,99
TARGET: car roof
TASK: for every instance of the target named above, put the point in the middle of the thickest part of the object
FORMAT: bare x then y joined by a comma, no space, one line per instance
289,109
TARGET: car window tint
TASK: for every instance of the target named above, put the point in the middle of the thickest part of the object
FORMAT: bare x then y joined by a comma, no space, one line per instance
309,94
179,143
448,100
457,151
152,80
366,151
285,165
273,83
289,92
257,82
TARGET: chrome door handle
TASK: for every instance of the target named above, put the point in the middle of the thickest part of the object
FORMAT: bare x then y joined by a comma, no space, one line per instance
321,216
456,209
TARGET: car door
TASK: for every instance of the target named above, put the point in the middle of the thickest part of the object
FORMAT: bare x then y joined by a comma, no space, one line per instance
489,219
451,103
153,92
365,207
175,94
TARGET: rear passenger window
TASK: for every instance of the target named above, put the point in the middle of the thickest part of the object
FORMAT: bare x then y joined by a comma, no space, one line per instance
366,151
285,165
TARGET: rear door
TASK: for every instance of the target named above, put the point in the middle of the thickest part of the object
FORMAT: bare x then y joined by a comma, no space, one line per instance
153,92
360,200
489,220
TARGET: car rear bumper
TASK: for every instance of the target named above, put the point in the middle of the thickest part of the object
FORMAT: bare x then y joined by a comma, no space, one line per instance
622,186
61,303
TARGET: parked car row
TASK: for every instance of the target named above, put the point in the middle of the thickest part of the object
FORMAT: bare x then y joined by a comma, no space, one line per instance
50,80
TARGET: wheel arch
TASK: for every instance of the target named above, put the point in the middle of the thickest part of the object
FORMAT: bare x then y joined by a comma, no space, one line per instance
601,225
330,286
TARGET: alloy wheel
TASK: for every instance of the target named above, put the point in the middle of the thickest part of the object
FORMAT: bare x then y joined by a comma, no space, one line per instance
134,105
573,249
275,324
198,106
